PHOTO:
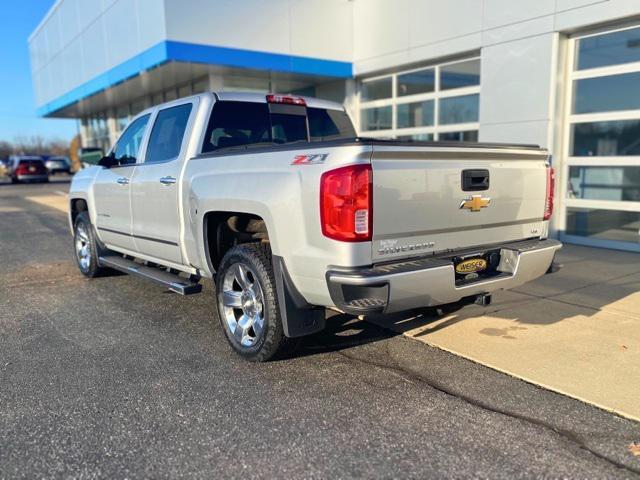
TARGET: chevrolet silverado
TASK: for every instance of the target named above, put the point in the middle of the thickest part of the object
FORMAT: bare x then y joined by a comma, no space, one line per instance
277,200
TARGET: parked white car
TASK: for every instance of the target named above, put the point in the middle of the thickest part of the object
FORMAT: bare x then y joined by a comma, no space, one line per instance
58,165
277,200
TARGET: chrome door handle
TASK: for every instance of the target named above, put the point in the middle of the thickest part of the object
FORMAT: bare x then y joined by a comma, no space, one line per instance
123,181
167,180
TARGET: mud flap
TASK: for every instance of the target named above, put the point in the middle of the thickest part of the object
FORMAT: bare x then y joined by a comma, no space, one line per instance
554,267
298,317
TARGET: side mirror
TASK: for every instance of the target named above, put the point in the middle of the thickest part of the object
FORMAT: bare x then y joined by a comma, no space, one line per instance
107,162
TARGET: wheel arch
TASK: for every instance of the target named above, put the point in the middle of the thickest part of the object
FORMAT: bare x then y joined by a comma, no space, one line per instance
224,229
77,205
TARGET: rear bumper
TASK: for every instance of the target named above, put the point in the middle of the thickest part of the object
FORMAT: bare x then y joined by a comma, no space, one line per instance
430,281
32,178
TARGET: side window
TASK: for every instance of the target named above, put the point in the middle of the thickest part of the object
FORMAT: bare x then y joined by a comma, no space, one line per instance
237,123
329,124
167,134
126,151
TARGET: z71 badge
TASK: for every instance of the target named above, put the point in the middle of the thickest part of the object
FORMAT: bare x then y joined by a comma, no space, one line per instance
309,159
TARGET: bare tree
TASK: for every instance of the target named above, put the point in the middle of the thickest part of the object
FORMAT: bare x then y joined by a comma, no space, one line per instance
6,149
38,145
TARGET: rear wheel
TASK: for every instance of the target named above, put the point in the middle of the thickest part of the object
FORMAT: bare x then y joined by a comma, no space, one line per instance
86,246
247,303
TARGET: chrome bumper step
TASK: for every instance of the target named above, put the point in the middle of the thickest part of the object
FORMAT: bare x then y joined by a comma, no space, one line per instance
172,281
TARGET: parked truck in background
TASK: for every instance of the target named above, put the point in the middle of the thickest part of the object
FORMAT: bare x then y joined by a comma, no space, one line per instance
276,199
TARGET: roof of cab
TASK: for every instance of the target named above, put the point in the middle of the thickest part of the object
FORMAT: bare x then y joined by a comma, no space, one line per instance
262,98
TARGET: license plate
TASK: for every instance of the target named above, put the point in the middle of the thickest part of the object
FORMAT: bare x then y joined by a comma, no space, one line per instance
471,265
32,169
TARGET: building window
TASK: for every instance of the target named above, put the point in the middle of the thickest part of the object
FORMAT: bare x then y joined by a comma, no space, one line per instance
138,106
96,132
184,91
601,184
601,224
376,118
439,102
157,99
201,86
379,89
122,118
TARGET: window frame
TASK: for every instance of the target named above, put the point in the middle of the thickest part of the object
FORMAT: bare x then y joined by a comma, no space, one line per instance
435,96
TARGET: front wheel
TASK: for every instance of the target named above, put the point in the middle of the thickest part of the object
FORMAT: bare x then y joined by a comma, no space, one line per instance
247,303
86,246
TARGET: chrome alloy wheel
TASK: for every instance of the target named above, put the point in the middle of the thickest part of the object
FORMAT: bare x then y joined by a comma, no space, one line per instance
83,248
243,304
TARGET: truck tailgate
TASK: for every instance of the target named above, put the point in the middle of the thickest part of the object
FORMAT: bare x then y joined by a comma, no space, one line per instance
419,205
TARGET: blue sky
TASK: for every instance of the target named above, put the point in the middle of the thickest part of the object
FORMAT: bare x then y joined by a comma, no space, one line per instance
17,104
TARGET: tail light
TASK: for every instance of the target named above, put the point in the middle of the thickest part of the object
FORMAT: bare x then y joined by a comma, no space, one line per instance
548,206
346,203
22,169
286,99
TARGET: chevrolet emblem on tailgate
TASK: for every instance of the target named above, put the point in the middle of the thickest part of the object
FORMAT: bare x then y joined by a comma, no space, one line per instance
475,203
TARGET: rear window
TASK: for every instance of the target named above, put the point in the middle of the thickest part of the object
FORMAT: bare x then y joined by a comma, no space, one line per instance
286,128
329,124
31,163
235,124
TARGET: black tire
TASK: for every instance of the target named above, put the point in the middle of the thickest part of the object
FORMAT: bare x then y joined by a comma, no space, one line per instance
92,269
14,180
271,342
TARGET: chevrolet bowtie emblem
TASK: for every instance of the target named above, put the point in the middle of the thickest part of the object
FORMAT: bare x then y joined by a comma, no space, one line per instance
475,203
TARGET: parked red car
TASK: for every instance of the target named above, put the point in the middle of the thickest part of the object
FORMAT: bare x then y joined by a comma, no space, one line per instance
28,169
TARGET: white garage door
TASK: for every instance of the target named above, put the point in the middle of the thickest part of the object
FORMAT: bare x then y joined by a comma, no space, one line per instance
601,171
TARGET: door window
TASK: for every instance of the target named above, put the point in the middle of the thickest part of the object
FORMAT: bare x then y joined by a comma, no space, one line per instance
167,134
128,146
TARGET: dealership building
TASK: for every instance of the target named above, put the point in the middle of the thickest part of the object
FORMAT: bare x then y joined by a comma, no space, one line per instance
563,74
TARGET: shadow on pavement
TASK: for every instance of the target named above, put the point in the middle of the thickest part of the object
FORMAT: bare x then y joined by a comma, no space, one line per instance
342,332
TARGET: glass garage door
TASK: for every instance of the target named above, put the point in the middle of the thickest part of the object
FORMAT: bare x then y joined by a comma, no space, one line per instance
601,174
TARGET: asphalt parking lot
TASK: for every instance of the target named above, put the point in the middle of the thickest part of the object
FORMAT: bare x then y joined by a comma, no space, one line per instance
113,377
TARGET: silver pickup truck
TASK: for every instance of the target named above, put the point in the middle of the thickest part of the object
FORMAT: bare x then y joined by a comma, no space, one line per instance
278,201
